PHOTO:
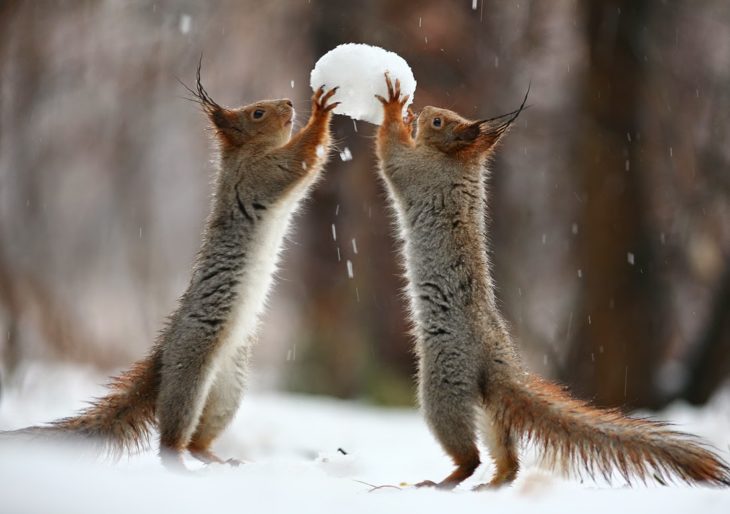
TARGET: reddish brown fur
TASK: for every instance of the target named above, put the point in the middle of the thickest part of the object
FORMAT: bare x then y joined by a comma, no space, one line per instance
393,122
465,467
119,422
307,142
200,449
574,436
223,118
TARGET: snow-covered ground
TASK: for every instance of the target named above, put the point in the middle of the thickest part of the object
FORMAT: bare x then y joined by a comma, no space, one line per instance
291,445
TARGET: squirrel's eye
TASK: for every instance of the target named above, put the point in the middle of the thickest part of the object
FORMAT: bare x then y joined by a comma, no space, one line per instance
436,122
258,114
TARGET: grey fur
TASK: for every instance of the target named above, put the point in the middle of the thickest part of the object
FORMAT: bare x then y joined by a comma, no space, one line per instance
440,205
192,382
470,376
206,346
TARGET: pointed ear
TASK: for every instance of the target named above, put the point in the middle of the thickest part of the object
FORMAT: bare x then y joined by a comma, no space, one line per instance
490,134
226,124
467,133
224,120
491,130
479,136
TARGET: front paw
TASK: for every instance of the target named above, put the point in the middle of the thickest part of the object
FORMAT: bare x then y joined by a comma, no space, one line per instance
395,102
410,117
319,101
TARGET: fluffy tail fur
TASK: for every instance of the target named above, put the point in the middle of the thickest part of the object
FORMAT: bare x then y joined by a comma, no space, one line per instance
119,422
574,436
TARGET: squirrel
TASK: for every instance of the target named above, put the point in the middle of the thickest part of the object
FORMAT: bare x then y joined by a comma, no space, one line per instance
471,381
190,385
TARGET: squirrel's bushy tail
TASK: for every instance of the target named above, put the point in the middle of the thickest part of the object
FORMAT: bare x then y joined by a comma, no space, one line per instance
573,436
119,422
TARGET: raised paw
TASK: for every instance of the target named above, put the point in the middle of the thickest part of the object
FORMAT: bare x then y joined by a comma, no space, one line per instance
410,117
320,98
394,97
394,104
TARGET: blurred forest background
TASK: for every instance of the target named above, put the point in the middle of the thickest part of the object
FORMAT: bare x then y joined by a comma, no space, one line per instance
610,200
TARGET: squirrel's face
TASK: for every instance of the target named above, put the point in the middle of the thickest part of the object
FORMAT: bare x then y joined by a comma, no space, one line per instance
445,130
465,139
262,124
255,127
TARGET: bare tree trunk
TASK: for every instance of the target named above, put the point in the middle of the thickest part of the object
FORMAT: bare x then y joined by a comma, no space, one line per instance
617,347
710,365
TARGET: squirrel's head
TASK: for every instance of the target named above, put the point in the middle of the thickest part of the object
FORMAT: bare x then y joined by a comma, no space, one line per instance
264,124
446,131
452,134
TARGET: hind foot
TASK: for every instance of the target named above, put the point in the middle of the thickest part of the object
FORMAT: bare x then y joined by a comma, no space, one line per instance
208,457
172,460
501,479
465,467
489,486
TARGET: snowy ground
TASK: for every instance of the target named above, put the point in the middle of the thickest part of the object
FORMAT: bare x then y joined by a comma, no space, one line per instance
293,465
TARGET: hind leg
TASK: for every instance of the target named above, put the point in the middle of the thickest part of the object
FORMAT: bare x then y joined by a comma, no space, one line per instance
186,379
457,438
450,415
503,449
220,408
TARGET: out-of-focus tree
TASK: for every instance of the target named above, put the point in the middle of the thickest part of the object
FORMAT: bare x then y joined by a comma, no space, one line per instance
104,167
709,363
104,184
618,339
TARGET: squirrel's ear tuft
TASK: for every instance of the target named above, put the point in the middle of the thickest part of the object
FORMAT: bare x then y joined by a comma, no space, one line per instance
476,137
468,133
491,130
223,119
226,125
490,134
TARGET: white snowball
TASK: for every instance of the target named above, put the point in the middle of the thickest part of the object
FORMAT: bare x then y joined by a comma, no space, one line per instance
359,72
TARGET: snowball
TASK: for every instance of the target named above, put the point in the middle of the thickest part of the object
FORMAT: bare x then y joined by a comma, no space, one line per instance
359,71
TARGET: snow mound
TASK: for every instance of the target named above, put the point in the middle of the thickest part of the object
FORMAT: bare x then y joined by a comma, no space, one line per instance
359,71
305,455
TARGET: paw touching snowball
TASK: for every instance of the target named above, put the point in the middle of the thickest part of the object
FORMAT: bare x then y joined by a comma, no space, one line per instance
358,70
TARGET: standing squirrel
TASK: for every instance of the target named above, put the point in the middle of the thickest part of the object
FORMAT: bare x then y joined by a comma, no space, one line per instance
191,384
471,379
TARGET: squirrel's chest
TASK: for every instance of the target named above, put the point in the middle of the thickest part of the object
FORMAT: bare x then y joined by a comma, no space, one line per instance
256,278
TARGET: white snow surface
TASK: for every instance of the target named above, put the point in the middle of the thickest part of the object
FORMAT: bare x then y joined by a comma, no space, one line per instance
290,444
359,71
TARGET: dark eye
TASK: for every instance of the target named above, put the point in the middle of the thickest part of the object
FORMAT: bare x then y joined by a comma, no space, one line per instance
258,114
436,122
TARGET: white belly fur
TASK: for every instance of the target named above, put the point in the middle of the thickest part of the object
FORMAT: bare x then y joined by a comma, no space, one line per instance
251,295
257,278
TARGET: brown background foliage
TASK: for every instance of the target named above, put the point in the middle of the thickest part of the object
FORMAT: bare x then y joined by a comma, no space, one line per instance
610,198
